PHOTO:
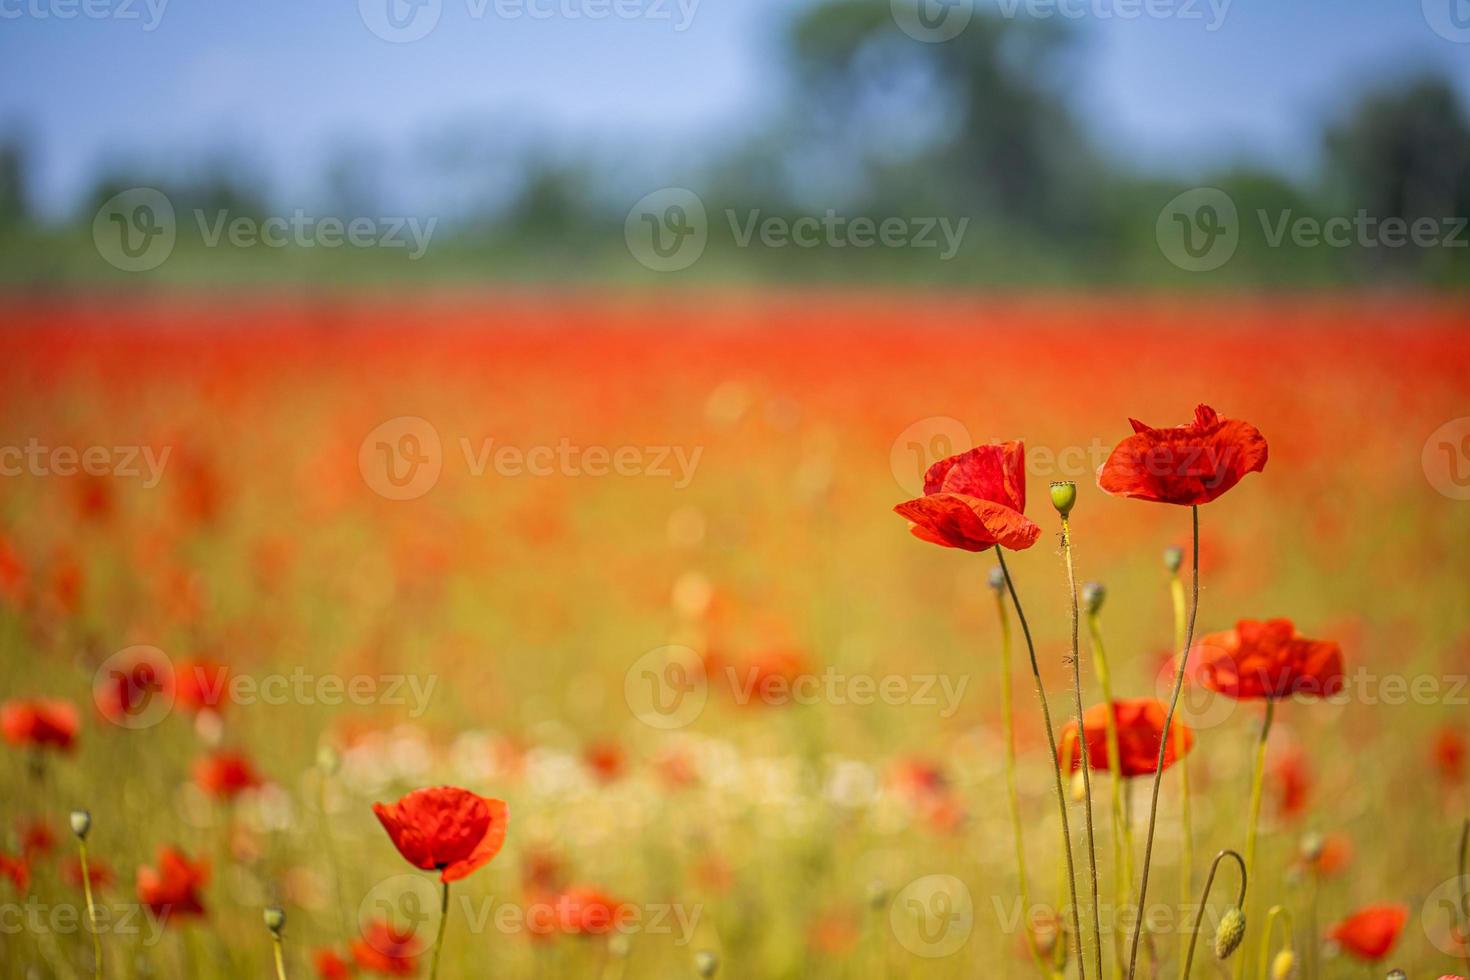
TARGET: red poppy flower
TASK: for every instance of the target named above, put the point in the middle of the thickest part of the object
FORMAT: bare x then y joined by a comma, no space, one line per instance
589,911
1370,932
1293,778
387,949
173,887
99,873
37,839
606,760
1449,754
1267,660
445,829
200,685
127,691
17,870
225,774
974,500
40,723
329,965
1140,726
1189,464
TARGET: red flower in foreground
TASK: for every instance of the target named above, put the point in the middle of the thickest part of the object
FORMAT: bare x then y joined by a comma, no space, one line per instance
386,948
445,829
1267,660
225,774
1189,464
329,965
1140,726
974,500
40,723
1370,932
173,887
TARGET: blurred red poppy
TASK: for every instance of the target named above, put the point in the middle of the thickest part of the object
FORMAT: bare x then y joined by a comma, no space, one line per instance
445,829
99,873
1449,754
974,501
225,774
605,759
1293,778
200,684
1188,464
128,690
17,871
36,838
586,910
329,965
40,723
1267,660
173,887
387,949
1140,726
1370,932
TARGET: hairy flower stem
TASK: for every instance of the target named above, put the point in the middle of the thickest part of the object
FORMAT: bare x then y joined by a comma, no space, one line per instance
1258,780
1465,885
1051,741
1186,859
1122,832
1153,807
1204,899
91,911
1008,718
439,939
1082,740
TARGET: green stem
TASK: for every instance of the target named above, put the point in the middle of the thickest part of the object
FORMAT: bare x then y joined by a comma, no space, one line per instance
1264,960
1186,860
1051,741
1465,885
1204,898
280,958
1082,740
1008,718
1122,832
91,911
1153,808
1258,780
439,939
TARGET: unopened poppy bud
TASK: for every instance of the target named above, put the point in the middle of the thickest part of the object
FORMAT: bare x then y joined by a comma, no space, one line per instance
1283,967
1079,787
1063,497
877,895
1173,558
81,823
997,579
1229,934
706,963
1312,847
1397,975
1093,595
275,919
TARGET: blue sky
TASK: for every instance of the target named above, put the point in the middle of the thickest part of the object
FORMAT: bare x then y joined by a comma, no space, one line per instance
281,82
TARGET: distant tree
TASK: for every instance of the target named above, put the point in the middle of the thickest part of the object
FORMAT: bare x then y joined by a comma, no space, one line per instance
13,209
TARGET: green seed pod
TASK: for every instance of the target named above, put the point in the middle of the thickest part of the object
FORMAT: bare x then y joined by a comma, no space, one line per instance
1063,497
1229,934
1397,975
1093,595
275,919
1173,559
707,963
81,823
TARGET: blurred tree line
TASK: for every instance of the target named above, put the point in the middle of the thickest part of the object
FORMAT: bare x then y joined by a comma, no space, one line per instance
875,123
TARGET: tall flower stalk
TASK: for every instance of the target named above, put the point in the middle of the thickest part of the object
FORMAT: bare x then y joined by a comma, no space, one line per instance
1063,498
1258,781
1173,559
81,826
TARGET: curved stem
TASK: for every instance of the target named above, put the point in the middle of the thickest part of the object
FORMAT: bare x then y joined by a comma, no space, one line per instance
1153,808
91,911
1258,780
1204,898
1008,719
439,939
1082,740
1051,741
1264,961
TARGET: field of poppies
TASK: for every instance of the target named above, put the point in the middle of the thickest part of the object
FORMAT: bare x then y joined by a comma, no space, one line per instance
512,635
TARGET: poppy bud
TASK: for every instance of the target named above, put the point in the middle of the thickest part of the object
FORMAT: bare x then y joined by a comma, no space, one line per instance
1079,787
1312,847
1173,559
81,823
997,579
1229,934
275,919
1397,975
1093,595
706,963
1283,967
1063,496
